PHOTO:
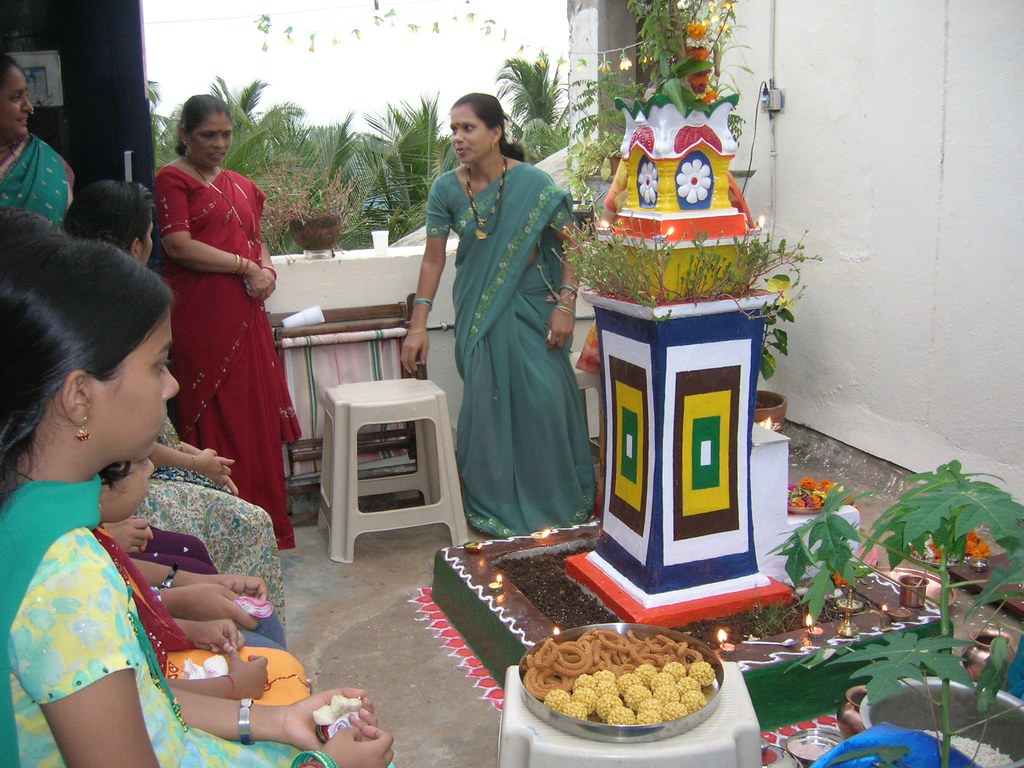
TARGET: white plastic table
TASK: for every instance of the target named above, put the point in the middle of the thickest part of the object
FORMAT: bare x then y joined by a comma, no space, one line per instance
729,738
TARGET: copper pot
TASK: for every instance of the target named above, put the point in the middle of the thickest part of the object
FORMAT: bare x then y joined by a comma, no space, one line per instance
850,723
976,655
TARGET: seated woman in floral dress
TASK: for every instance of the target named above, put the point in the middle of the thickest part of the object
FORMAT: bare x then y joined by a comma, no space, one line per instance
191,491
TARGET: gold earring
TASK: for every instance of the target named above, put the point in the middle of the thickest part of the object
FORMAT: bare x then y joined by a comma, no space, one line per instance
82,434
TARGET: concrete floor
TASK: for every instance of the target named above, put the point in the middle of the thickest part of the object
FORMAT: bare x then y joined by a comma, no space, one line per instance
357,624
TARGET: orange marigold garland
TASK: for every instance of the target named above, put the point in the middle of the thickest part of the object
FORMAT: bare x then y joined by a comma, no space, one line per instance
809,493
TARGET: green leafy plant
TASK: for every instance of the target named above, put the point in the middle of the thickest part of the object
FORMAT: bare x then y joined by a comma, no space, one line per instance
618,266
938,510
599,129
683,42
297,192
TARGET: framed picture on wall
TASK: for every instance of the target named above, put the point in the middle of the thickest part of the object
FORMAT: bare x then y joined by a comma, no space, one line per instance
42,72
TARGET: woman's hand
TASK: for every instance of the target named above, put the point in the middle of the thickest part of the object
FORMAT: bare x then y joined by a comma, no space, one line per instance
132,534
560,328
364,745
240,584
259,281
216,635
205,602
415,346
250,677
216,468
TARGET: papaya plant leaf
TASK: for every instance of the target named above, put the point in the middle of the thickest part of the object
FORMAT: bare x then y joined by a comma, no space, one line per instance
947,504
907,656
990,681
1004,584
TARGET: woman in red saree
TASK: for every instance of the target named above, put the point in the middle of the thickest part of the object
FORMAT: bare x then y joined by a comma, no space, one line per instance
233,395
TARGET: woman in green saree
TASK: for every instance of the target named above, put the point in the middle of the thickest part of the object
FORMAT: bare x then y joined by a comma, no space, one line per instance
523,453
32,174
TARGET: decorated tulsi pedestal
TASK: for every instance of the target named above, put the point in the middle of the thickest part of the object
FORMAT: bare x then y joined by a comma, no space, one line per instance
677,539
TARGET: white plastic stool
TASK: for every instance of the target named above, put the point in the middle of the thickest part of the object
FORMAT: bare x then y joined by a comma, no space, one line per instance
729,738
586,381
351,406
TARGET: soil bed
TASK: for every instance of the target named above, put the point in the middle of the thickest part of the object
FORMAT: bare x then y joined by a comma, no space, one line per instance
542,580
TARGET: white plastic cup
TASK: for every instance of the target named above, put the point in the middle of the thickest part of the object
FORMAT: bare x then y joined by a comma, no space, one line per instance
380,242
308,316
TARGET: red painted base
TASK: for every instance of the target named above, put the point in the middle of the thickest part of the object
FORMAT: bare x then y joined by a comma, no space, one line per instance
730,224
619,602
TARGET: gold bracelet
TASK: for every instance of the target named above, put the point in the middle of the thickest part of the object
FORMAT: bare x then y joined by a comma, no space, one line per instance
564,308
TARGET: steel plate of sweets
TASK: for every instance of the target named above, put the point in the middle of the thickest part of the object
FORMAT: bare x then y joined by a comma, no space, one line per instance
621,682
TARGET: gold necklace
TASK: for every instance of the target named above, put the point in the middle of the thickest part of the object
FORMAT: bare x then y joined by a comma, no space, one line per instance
481,223
195,168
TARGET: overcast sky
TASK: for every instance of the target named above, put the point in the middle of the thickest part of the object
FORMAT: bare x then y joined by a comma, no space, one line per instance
190,42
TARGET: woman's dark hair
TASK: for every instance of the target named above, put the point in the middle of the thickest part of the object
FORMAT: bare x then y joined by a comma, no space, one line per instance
65,305
488,109
196,109
19,222
117,212
6,62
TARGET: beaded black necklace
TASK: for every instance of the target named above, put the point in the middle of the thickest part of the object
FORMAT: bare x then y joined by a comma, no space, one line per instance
481,223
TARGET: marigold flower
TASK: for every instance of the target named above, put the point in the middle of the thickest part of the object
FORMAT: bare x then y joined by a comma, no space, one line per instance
710,96
698,54
697,30
808,484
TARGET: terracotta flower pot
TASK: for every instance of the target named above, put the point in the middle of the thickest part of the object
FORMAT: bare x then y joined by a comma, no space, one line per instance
317,236
770,405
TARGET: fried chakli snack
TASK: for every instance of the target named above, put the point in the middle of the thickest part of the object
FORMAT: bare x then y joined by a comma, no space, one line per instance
556,665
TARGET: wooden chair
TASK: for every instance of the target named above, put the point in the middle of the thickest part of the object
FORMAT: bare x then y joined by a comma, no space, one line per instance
377,323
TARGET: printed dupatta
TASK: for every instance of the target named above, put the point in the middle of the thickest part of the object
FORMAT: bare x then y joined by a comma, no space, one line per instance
33,177
489,271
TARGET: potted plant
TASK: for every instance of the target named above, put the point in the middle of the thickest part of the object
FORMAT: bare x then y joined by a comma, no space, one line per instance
931,526
595,151
307,204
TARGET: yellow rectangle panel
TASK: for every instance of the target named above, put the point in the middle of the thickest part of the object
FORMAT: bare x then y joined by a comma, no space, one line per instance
698,502
629,398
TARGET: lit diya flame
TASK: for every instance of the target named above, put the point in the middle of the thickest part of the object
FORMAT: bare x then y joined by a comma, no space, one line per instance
767,423
496,584
722,644
760,221
542,534
556,631
812,628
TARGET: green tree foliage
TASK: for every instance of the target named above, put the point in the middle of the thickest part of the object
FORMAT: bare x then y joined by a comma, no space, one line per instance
538,105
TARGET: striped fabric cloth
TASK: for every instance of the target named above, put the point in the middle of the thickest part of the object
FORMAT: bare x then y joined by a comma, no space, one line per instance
313,364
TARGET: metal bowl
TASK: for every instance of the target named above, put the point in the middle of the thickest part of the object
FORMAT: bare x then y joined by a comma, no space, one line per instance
597,731
810,744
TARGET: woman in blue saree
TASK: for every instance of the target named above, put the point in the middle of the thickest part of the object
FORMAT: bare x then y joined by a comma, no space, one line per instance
32,174
523,453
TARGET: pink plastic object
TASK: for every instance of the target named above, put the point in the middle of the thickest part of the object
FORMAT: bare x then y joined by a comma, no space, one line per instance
261,609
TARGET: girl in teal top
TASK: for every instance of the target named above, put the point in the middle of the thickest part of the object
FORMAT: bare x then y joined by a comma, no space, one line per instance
89,331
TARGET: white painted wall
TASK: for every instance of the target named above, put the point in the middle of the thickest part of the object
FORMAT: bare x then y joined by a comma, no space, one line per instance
898,152
359,278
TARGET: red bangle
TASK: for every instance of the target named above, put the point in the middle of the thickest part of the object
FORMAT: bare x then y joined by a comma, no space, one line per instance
271,270
232,681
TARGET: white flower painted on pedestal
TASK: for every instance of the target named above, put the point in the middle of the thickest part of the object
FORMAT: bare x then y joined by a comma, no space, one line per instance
647,184
694,181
